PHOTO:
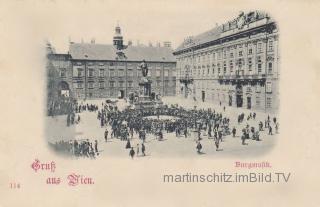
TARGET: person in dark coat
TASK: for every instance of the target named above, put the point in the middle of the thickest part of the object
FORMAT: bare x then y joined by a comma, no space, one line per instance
243,137
199,147
128,146
217,142
106,135
270,130
234,131
143,149
96,145
132,152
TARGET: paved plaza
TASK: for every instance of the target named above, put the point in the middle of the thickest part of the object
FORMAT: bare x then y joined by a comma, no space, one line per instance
171,146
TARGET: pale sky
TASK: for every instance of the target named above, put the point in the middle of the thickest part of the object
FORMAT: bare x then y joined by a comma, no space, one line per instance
146,21
143,20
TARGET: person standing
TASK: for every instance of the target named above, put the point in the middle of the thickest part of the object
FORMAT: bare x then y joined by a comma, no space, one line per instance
270,130
217,142
199,147
277,128
143,149
234,131
138,149
106,135
96,146
132,153
128,145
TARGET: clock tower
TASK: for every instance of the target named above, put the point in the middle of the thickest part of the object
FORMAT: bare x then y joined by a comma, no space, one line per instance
118,38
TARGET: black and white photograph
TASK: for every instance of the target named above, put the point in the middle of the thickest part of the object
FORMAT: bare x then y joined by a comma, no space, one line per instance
159,103
214,93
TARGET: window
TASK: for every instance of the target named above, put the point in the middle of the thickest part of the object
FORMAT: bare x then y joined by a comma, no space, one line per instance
158,83
231,54
112,84
224,67
224,54
112,73
130,73
250,64
240,54
130,66
80,72
166,73
270,67
130,83
213,69
219,55
240,63
250,51
121,73
259,67
158,73
166,83
231,66
121,83
101,85
258,101
258,89
259,64
218,68
174,73
79,84
62,72
101,73
269,87
269,102
259,47
90,84
90,73
270,45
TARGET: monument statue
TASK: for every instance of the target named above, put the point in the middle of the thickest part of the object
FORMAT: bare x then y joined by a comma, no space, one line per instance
144,68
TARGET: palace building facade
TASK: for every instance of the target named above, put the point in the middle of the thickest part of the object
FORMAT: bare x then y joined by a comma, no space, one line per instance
91,70
234,64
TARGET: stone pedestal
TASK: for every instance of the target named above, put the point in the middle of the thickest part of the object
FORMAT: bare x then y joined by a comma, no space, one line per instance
144,100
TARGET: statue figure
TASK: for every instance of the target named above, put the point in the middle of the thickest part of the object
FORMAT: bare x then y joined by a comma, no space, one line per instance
144,68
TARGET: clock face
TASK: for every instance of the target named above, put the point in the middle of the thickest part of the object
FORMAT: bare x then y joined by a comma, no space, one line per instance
240,22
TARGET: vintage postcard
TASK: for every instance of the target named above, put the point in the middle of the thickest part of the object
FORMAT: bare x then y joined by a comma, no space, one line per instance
159,103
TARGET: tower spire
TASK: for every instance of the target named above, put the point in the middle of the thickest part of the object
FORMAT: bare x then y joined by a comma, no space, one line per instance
118,38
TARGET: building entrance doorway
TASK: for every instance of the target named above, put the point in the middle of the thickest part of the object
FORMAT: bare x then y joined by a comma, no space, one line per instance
203,96
230,100
248,102
121,94
239,95
63,88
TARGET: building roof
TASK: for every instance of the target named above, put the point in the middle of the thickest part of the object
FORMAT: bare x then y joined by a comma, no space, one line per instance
217,31
109,52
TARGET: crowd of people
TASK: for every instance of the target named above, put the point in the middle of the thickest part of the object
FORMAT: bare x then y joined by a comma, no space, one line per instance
194,123
186,122
77,148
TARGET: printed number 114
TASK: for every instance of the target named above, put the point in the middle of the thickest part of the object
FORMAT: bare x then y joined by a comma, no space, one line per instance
14,185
